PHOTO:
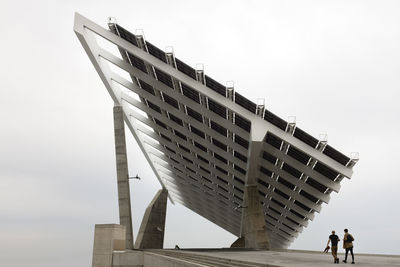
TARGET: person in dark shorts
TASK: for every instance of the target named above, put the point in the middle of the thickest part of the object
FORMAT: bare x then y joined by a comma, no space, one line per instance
348,245
334,239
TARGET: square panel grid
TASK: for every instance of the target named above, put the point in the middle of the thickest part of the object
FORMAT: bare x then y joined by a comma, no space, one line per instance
207,161
206,165
292,186
200,148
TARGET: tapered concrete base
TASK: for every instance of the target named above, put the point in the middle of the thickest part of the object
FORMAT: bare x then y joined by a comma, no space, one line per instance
151,232
254,229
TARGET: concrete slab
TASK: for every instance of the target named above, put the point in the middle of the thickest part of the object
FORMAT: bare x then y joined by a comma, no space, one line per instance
298,258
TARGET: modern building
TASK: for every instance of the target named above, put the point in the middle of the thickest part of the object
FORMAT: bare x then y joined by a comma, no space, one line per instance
230,160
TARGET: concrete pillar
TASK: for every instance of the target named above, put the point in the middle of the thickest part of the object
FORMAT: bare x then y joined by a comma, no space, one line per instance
124,198
107,238
151,232
254,227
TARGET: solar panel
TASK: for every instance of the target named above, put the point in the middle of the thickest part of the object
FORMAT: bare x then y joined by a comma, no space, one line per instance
215,86
320,187
241,141
197,132
269,157
160,123
297,214
188,160
305,137
191,170
238,189
273,140
277,202
155,51
298,155
242,171
245,103
175,119
294,230
292,221
137,62
286,183
336,155
200,146
205,161
170,149
275,120
289,169
301,205
183,67
194,114
274,210
217,108
164,78
218,128
182,146
240,156
266,171
154,106
279,192
220,158
238,180
170,100
165,137
273,218
221,170
237,197
181,135
190,93
174,160
126,35
308,196
146,87
219,144
242,122
326,171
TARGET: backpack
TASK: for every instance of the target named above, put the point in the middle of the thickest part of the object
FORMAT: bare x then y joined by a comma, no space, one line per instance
349,238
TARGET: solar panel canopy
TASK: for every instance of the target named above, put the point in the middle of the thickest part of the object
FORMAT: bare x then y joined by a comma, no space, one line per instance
198,136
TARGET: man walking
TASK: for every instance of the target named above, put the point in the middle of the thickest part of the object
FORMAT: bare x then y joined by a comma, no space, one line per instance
348,245
334,239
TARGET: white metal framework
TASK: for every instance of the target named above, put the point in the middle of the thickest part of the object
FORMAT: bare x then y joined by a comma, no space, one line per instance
197,136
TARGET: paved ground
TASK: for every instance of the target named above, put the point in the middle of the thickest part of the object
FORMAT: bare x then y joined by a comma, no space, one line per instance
300,258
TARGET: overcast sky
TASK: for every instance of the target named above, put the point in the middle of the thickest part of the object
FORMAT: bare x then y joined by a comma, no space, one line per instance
334,65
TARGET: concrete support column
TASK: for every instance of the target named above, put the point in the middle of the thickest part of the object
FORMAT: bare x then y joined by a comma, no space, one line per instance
151,232
107,238
124,198
254,227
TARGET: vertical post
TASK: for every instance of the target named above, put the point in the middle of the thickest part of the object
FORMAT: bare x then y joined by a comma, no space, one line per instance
124,198
254,227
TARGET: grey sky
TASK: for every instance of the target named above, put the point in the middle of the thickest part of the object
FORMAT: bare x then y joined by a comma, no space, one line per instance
333,64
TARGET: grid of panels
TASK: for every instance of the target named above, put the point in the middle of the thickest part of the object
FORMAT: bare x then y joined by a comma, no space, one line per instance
190,128
293,185
188,144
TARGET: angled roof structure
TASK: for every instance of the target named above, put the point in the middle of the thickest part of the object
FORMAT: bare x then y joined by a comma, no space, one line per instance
205,141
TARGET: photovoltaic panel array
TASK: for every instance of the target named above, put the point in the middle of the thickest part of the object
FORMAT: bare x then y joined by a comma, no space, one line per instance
200,146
